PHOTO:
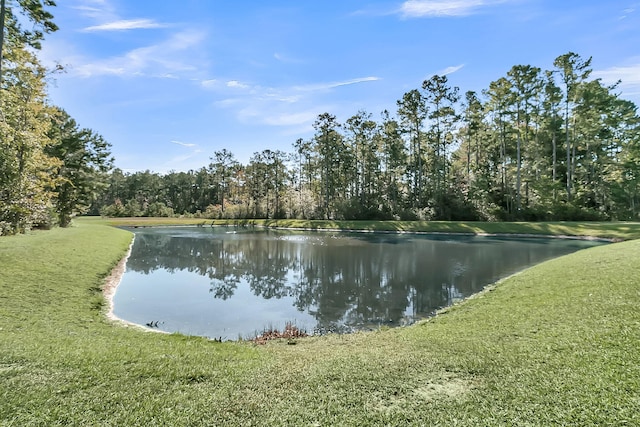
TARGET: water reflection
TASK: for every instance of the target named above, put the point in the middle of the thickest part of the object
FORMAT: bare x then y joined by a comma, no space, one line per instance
233,282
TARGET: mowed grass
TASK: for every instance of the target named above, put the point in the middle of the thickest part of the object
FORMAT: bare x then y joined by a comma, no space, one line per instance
607,230
557,344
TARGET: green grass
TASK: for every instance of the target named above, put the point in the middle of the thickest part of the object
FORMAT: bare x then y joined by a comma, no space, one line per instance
607,230
557,344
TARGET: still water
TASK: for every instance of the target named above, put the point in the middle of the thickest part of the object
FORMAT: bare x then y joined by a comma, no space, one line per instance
232,283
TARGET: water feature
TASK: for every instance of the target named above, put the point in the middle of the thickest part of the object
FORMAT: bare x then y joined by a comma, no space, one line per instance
230,283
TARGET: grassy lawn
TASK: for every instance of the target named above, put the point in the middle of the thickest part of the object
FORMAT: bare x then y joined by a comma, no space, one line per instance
558,344
608,230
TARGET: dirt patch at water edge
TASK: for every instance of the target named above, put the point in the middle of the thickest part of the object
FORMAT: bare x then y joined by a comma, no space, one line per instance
111,284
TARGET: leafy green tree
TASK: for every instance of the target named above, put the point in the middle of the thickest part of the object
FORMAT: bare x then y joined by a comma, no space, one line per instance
85,158
442,99
412,111
602,136
180,188
203,190
27,175
276,179
331,150
525,85
33,10
498,107
508,163
573,71
625,188
551,123
362,134
476,162
222,167
257,184
305,177
473,122
393,163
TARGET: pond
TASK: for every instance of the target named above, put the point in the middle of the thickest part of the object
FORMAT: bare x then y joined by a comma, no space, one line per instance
231,283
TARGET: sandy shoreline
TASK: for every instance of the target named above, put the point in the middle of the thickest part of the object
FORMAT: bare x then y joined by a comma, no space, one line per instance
111,285
109,290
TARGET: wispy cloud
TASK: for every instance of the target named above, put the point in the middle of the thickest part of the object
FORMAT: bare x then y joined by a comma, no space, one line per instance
210,83
95,9
184,144
628,76
450,70
443,8
332,85
277,106
125,25
285,94
237,84
163,60
628,11
178,162
286,59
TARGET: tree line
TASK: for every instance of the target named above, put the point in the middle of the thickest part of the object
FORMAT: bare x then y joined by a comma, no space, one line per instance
535,145
50,168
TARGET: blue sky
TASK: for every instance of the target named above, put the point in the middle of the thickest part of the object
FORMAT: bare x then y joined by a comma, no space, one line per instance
167,83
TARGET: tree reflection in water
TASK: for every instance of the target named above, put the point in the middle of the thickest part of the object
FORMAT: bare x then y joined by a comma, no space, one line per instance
346,281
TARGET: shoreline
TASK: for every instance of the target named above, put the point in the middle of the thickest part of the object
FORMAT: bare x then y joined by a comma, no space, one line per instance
446,233
109,288
365,231
112,281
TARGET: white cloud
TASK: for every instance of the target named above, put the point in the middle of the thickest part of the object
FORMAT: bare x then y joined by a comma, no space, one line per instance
286,94
98,10
629,77
450,70
287,59
628,11
125,24
440,8
164,59
184,144
277,106
89,11
209,84
332,85
237,84
178,162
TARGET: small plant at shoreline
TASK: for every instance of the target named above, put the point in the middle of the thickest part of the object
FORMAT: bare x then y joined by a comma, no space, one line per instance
290,332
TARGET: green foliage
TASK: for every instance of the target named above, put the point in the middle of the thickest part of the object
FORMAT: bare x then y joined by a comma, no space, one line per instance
50,169
537,145
27,175
11,31
85,160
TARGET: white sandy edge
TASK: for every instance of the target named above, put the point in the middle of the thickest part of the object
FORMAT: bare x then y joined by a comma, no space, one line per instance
109,290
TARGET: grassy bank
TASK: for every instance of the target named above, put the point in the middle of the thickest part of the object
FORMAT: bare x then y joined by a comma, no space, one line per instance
608,230
556,344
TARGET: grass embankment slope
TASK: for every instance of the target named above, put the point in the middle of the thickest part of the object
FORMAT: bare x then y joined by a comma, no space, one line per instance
608,230
556,344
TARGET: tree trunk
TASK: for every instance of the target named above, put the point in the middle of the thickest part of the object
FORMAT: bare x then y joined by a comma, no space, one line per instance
568,143
3,11
518,172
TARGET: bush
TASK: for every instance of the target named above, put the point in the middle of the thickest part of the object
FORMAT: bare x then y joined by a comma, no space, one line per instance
158,209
